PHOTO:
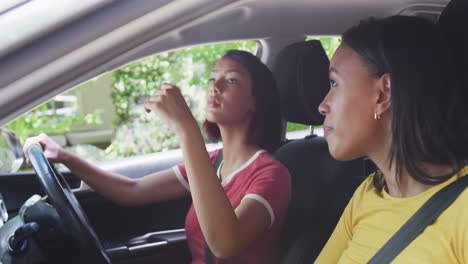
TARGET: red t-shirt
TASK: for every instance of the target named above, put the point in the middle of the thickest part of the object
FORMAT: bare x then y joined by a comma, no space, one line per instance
261,178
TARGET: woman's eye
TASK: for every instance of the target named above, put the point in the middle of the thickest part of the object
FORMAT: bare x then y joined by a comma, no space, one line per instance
233,81
211,81
332,83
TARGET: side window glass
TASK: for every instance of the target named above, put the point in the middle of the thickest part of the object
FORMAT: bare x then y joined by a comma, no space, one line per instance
104,119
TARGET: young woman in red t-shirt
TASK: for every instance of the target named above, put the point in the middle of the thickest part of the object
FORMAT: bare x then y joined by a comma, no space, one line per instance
240,208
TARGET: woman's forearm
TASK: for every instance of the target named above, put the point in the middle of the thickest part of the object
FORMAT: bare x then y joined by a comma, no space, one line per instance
215,214
115,187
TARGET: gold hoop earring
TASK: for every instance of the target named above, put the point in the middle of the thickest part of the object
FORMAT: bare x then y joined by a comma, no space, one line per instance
376,116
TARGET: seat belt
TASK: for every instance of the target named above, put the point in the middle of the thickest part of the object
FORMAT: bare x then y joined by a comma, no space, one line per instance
209,257
425,216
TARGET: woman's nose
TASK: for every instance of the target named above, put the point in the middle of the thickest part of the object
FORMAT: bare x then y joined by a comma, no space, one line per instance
323,108
214,89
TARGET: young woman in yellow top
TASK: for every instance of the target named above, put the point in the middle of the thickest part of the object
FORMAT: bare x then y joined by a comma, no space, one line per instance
394,98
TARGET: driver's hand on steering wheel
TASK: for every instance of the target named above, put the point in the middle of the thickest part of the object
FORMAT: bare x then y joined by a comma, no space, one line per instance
52,151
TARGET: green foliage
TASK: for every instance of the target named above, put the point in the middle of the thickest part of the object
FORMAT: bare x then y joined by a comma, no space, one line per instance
189,69
141,138
45,119
296,126
90,153
330,44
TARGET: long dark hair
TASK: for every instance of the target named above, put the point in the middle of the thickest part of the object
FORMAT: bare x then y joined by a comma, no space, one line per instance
427,107
265,127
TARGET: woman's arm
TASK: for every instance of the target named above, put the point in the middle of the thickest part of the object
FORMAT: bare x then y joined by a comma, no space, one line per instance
120,189
227,230
338,241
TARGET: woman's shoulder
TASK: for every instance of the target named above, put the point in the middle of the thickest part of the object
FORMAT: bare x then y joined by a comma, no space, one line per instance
266,160
460,204
454,221
264,165
366,192
367,186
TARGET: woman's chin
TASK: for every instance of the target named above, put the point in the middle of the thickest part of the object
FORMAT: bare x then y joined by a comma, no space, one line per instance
211,118
336,152
341,154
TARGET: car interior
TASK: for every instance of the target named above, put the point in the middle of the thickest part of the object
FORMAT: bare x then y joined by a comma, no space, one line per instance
106,35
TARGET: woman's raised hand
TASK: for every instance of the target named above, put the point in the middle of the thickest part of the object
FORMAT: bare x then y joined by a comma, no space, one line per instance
169,105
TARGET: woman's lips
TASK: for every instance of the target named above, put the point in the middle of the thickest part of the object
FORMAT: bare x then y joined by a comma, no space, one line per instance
213,103
327,130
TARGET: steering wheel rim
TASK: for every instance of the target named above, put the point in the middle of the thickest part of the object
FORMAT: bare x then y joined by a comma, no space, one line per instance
67,206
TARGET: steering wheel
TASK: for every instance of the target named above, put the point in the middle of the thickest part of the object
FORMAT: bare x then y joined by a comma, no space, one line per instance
67,206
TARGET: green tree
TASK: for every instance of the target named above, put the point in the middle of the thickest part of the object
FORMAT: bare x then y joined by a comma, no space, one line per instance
46,119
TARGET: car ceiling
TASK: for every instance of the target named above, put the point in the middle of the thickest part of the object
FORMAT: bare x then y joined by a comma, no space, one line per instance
122,31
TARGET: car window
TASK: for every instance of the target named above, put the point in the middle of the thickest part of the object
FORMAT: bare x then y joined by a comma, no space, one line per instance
104,119
295,130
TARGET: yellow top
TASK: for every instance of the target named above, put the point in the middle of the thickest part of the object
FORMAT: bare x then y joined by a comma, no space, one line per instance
371,218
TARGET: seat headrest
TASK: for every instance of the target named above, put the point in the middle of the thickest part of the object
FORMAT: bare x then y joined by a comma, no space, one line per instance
301,71
453,22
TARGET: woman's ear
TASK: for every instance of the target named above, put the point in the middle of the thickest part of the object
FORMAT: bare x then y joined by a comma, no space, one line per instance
384,100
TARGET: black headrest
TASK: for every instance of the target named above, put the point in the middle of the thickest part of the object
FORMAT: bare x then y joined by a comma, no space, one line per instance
454,23
301,71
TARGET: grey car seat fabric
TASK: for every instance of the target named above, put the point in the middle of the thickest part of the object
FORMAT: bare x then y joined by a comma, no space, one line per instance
321,186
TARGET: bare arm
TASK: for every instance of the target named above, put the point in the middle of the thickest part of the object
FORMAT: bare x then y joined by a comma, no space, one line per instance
232,229
227,230
120,189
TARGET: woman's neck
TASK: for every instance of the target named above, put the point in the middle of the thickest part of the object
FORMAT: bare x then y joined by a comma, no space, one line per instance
405,185
237,148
